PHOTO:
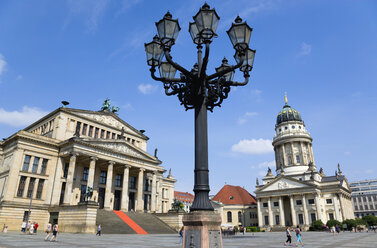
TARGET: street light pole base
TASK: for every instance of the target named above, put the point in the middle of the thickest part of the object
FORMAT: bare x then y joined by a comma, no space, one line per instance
202,229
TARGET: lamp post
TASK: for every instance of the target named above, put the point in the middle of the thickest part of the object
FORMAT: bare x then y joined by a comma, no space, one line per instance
194,88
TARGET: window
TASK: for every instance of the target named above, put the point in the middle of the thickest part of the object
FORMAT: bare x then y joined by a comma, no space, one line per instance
229,216
279,129
107,135
265,204
85,174
312,216
331,216
96,133
31,187
298,202
128,139
253,215
277,219
113,135
26,216
366,207
78,127
239,216
133,141
286,128
146,185
369,198
276,204
35,165
90,133
356,208
40,188
361,207
311,201
289,160
102,133
25,166
329,201
44,166
118,180
21,186
102,177
293,127
82,192
65,172
300,219
132,183
299,127
297,158
266,220
84,128
231,197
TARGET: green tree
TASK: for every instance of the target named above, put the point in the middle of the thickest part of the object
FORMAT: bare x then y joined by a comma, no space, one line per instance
331,223
177,205
350,223
371,220
317,225
360,222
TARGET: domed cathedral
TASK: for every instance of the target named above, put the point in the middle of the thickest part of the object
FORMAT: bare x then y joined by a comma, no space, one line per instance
299,194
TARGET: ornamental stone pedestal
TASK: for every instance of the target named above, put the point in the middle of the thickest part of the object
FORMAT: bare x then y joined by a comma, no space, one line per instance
202,230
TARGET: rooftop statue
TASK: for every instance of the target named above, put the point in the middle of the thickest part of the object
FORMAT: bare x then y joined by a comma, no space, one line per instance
106,105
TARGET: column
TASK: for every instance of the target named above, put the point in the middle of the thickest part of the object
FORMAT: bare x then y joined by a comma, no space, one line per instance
342,206
153,196
158,197
281,210
303,157
311,153
284,156
56,185
306,215
293,211
109,184
336,207
318,207
69,184
292,154
92,168
125,197
270,216
139,196
260,217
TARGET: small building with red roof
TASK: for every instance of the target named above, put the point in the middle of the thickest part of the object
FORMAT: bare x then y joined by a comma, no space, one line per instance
236,206
186,198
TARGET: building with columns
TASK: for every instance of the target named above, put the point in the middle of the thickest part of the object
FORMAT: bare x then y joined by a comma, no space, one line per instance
51,164
299,194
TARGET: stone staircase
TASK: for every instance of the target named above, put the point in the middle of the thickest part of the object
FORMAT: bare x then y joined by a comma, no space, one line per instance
112,224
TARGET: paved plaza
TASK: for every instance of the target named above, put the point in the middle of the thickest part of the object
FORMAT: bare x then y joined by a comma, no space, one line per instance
265,240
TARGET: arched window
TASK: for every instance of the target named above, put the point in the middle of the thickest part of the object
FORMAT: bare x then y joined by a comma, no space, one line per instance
289,160
229,215
239,216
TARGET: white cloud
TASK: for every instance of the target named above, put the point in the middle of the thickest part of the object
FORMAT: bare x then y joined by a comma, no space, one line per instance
3,64
253,146
305,49
127,106
267,164
147,88
243,119
21,118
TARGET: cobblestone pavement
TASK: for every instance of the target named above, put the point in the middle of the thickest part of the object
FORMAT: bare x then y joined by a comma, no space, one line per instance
258,240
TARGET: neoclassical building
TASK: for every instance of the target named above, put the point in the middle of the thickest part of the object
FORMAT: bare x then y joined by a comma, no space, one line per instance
299,194
51,164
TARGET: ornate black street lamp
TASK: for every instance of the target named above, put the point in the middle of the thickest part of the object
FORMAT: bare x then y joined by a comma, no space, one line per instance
195,89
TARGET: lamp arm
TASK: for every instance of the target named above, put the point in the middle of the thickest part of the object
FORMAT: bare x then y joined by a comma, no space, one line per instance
175,89
173,80
175,65
243,83
220,73
205,62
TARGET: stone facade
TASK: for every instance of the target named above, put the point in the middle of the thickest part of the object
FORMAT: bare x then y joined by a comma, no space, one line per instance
53,161
364,197
299,194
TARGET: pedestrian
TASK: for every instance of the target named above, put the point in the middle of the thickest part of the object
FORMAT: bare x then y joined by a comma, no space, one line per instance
98,230
333,230
181,234
48,231
36,227
243,230
289,237
298,235
337,229
54,233
5,229
23,227
28,226
31,229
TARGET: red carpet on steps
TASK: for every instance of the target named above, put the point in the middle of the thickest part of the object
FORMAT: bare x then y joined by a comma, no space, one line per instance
130,222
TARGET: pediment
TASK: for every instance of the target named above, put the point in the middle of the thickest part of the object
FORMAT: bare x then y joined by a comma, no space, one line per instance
282,184
108,119
123,147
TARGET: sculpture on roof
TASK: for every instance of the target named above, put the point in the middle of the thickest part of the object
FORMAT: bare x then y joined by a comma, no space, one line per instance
106,106
339,171
257,182
155,153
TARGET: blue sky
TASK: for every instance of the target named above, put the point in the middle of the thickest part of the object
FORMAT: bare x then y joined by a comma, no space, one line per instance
322,53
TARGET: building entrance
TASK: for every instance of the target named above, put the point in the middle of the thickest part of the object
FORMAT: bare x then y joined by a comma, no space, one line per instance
287,211
131,205
101,197
117,199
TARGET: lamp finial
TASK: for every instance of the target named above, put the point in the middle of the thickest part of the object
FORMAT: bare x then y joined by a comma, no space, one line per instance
285,98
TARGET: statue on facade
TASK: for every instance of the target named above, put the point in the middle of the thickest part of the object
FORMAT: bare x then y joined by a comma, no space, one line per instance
106,105
257,182
88,194
122,131
339,171
155,153
114,109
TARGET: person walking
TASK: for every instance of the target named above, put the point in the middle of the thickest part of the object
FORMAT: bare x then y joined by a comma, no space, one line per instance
48,231
289,237
181,234
23,227
54,233
36,225
31,229
99,230
298,235
337,229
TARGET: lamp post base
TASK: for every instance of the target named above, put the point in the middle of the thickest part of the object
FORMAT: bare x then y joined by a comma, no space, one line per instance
202,230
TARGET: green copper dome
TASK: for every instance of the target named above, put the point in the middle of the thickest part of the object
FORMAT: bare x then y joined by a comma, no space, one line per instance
288,114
